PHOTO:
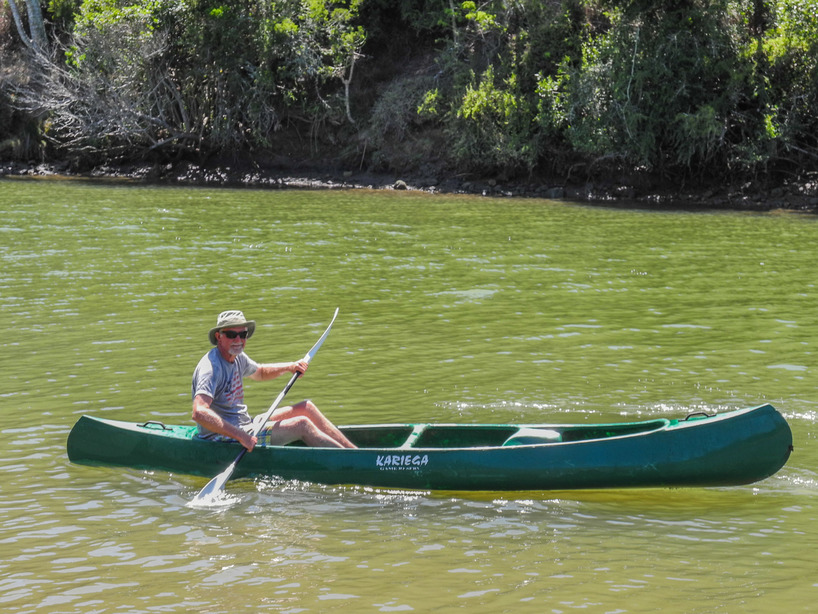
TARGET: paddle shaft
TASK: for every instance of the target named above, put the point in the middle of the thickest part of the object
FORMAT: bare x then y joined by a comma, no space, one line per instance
260,424
218,482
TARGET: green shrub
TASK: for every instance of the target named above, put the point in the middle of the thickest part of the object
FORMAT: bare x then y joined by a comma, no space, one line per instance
491,128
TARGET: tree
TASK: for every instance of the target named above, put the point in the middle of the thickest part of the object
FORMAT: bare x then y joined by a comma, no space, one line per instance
34,37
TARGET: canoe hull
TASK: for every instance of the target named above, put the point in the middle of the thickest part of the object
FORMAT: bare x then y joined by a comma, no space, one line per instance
729,449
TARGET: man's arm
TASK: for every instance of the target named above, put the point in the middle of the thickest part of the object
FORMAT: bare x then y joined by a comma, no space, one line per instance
206,417
273,370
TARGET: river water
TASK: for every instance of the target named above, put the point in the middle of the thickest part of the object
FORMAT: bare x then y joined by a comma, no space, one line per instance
455,309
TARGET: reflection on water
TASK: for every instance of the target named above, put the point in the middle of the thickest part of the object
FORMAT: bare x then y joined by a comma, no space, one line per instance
452,309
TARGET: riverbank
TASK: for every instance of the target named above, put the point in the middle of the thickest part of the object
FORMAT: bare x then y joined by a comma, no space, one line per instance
800,195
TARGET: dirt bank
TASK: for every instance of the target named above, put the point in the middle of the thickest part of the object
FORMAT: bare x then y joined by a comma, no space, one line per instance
801,195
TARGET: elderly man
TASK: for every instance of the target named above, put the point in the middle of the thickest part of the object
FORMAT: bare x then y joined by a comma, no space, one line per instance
218,394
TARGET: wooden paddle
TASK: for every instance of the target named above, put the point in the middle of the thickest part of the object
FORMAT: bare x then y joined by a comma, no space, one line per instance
217,483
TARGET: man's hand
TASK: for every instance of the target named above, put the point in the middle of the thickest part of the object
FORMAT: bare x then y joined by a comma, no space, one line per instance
248,441
300,366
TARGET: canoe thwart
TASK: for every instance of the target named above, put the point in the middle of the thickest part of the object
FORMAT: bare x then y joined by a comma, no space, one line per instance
417,431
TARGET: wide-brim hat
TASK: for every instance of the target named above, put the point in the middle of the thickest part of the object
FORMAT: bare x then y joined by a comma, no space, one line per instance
229,319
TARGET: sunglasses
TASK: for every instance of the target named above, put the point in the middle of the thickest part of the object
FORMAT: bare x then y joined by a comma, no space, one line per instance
232,334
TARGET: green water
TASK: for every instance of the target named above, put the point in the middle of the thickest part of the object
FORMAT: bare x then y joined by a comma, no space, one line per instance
452,309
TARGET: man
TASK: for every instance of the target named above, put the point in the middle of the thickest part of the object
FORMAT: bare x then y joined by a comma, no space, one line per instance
218,394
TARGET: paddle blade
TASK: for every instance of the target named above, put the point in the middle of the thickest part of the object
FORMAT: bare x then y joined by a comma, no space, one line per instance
209,495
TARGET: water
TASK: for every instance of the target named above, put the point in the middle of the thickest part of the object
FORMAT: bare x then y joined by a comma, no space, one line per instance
452,309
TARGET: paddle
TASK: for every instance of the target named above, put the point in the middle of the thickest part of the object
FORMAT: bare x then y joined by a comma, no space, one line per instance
217,483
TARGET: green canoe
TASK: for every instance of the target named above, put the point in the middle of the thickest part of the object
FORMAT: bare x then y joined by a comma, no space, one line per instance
730,448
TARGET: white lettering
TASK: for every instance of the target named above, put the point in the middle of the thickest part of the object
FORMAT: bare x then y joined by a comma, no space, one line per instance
400,462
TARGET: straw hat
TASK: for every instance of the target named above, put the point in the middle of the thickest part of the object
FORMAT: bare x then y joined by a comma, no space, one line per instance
229,319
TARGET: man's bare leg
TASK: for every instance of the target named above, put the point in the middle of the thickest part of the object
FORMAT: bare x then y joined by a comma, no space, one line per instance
307,409
298,428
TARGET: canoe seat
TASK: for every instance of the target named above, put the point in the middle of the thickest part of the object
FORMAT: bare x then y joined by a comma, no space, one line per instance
530,436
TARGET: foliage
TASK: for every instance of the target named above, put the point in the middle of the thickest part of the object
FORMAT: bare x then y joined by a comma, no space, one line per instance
192,75
691,88
787,63
395,134
490,128
651,92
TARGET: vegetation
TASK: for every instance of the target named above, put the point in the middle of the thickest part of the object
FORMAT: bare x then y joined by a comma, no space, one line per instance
682,89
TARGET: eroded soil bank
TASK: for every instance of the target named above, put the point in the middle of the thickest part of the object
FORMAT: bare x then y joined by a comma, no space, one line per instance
798,195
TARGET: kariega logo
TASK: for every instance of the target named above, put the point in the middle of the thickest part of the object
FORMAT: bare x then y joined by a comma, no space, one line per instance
396,462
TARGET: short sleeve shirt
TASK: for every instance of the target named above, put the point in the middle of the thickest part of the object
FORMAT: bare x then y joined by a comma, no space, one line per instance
222,381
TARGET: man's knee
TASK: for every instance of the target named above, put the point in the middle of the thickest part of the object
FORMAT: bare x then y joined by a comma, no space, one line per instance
306,406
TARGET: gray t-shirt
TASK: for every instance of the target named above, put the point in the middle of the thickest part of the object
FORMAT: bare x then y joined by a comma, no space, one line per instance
222,381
